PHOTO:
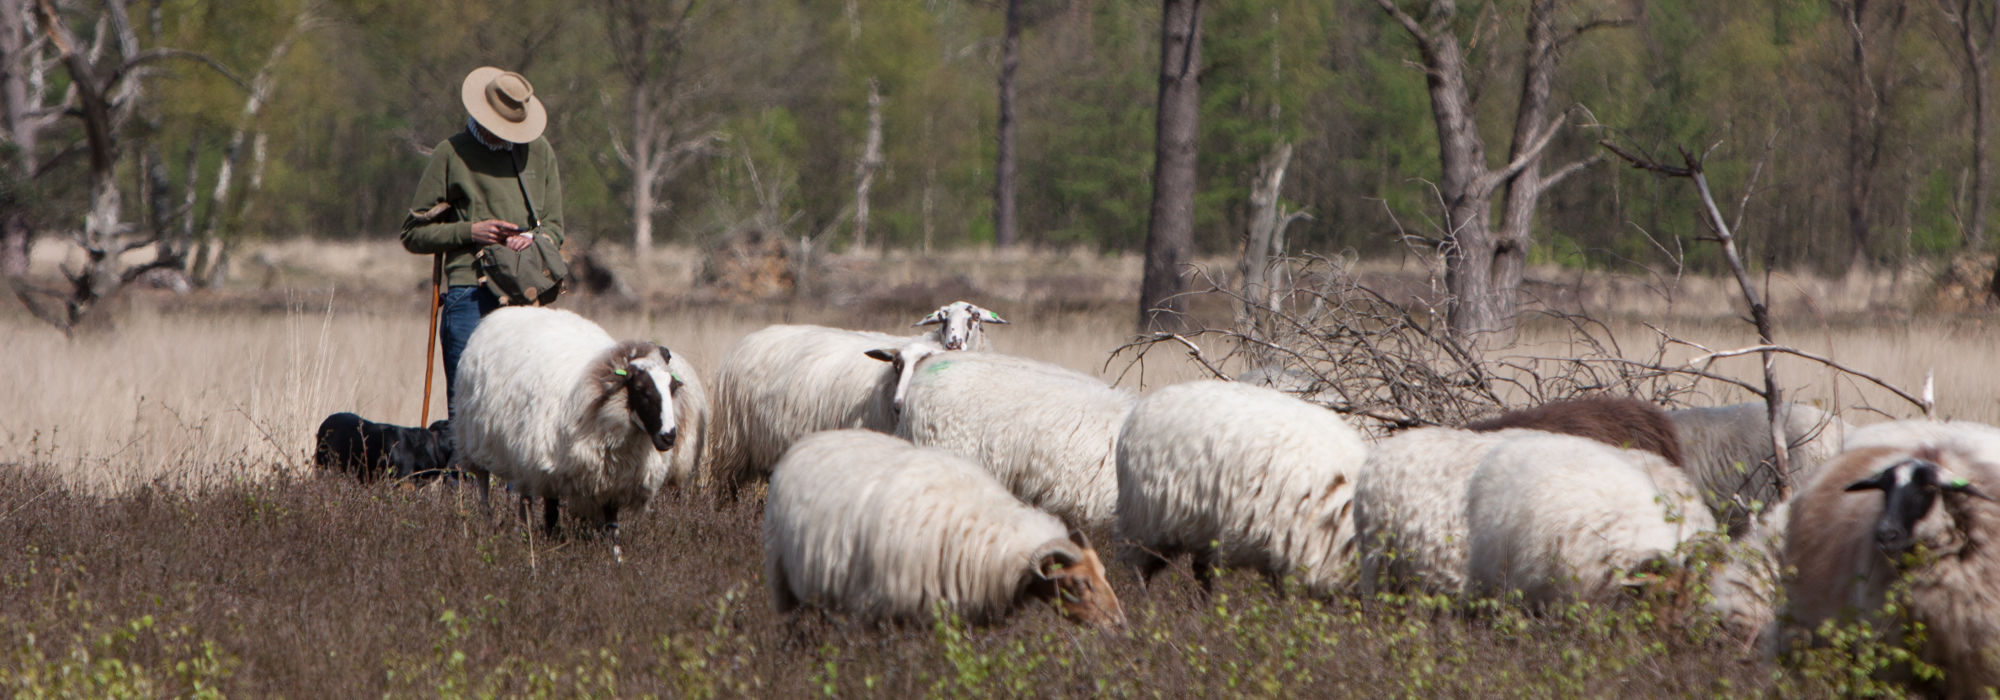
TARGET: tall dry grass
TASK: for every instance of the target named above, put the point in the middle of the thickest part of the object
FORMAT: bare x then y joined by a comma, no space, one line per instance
223,385
169,543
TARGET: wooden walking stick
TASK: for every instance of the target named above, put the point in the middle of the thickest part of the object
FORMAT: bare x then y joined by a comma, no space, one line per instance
430,329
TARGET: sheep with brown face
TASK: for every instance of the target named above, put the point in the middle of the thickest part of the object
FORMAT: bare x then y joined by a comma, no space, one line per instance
872,526
1618,422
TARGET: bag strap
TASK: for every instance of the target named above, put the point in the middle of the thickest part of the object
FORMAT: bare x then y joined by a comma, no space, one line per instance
534,220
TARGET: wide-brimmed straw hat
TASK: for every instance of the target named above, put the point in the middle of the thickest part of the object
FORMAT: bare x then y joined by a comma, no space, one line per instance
504,103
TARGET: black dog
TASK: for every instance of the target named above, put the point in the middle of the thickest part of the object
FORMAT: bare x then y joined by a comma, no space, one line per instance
368,450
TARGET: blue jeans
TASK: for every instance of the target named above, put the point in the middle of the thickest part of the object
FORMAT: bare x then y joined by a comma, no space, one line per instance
459,311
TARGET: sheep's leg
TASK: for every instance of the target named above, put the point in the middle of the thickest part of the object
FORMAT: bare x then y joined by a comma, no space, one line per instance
611,528
485,491
1148,564
1204,571
550,512
1276,580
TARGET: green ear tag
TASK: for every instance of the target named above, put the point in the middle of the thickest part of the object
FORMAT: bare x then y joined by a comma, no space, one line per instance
618,372
1960,483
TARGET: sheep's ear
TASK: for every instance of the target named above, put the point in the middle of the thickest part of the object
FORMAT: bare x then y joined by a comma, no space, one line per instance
1881,481
989,317
935,318
665,354
1958,485
883,354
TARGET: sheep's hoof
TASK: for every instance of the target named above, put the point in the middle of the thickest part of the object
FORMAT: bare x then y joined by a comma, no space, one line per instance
617,555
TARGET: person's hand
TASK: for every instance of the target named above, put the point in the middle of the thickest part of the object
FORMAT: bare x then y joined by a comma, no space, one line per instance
492,231
519,241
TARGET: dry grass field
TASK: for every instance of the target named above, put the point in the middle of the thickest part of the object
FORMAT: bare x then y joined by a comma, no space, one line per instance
168,538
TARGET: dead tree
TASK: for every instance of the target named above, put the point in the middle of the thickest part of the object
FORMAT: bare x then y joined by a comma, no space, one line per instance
1170,230
1760,314
1484,266
107,79
648,42
1262,266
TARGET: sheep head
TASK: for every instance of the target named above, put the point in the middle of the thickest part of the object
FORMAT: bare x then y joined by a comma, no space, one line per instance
1068,573
638,372
1910,489
904,360
960,321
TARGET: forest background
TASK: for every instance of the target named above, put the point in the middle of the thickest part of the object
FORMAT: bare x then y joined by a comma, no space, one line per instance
686,121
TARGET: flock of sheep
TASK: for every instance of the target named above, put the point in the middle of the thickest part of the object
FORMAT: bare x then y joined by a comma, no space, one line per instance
909,474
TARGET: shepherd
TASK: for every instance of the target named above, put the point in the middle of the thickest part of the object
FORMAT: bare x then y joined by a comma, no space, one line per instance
489,211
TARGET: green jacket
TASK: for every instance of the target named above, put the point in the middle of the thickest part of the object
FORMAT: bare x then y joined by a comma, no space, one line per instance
479,183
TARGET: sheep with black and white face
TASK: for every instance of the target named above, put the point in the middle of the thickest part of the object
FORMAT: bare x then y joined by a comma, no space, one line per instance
552,405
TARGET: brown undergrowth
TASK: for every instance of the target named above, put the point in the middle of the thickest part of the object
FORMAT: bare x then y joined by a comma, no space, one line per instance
319,587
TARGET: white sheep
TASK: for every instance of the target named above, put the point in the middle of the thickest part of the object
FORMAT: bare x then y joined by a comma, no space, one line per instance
782,383
559,410
1727,451
959,325
1239,475
871,525
1850,545
1560,516
1046,432
1409,507
785,382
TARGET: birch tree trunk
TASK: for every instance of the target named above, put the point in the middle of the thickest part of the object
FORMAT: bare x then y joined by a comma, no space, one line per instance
206,268
646,40
871,160
17,233
1259,235
644,172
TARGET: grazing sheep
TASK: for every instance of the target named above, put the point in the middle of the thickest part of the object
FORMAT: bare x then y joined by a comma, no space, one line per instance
1850,546
1746,587
1047,433
1618,422
959,326
1409,507
871,525
1727,450
368,450
1559,516
1239,475
554,406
